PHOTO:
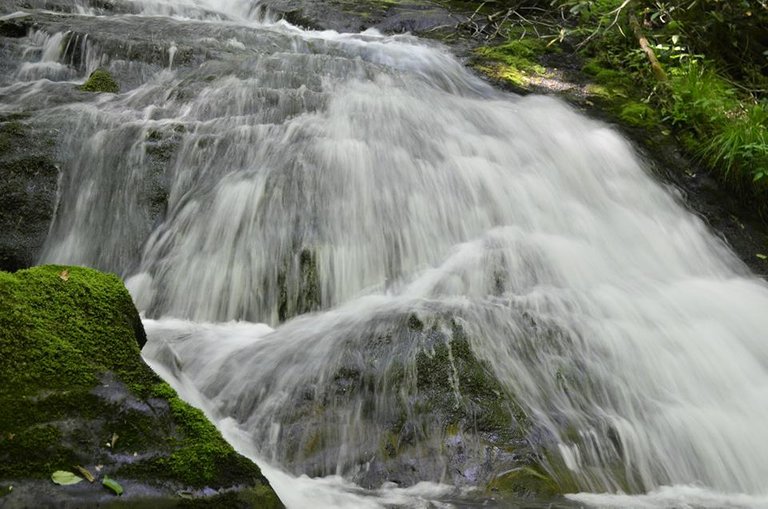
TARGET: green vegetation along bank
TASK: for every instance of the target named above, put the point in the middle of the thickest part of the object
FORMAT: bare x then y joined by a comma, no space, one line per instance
694,70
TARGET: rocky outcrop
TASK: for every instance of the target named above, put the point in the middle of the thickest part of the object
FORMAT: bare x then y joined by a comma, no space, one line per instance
431,410
28,186
75,392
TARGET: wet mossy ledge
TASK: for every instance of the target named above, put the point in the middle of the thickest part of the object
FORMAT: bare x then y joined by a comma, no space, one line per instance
75,392
100,80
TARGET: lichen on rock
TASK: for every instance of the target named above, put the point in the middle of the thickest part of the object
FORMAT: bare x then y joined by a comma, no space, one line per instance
75,391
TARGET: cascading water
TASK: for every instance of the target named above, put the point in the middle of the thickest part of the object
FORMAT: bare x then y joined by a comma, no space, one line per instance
410,215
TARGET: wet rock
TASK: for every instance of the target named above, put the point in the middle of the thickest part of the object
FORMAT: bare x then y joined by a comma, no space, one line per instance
28,186
347,16
431,408
14,27
75,391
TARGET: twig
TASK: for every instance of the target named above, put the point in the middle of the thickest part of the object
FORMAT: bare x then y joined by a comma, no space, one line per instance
658,72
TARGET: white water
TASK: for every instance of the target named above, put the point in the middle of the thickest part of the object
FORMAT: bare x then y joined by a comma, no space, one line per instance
414,188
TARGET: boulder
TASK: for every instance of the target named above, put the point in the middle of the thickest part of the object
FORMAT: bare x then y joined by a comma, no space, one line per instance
76,393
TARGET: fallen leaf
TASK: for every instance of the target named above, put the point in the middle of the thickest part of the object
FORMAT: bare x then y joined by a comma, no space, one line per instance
65,478
762,256
112,485
85,473
98,467
114,439
64,275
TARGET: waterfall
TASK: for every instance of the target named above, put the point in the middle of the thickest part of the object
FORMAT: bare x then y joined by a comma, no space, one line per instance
304,217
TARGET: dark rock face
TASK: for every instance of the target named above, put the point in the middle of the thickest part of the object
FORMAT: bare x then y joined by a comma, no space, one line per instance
14,28
416,16
28,186
432,410
76,392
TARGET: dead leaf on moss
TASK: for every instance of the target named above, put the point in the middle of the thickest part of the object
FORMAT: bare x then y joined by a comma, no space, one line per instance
64,275
85,473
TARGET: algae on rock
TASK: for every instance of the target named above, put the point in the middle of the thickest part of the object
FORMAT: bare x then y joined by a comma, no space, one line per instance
75,391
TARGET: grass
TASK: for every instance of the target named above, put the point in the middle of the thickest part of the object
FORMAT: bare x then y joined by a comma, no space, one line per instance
726,130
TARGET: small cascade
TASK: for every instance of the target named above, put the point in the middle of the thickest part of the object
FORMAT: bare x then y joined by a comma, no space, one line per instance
43,56
171,53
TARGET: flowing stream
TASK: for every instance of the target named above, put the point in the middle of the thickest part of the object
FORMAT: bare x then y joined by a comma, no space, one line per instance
285,205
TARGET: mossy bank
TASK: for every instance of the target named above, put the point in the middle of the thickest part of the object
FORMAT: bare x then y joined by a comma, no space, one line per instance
76,392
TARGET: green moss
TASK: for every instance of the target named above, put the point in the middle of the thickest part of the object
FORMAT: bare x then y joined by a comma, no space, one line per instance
477,401
309,285
100,80
38,451
65,346
261,497
298,286
523,482
313,443
13,128
638,114
72,378
513,61
203,458
11,132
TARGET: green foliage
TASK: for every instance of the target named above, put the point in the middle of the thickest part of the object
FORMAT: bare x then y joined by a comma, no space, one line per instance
740,147
698,98
100,80
716,55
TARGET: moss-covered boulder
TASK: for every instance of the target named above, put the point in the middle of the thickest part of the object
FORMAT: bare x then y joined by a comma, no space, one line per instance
75,392
100,80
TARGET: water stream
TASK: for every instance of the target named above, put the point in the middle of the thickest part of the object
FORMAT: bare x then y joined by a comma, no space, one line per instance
285,205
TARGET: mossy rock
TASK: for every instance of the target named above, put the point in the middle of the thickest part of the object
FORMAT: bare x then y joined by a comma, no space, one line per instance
100,80
513,62
75,391
432,410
